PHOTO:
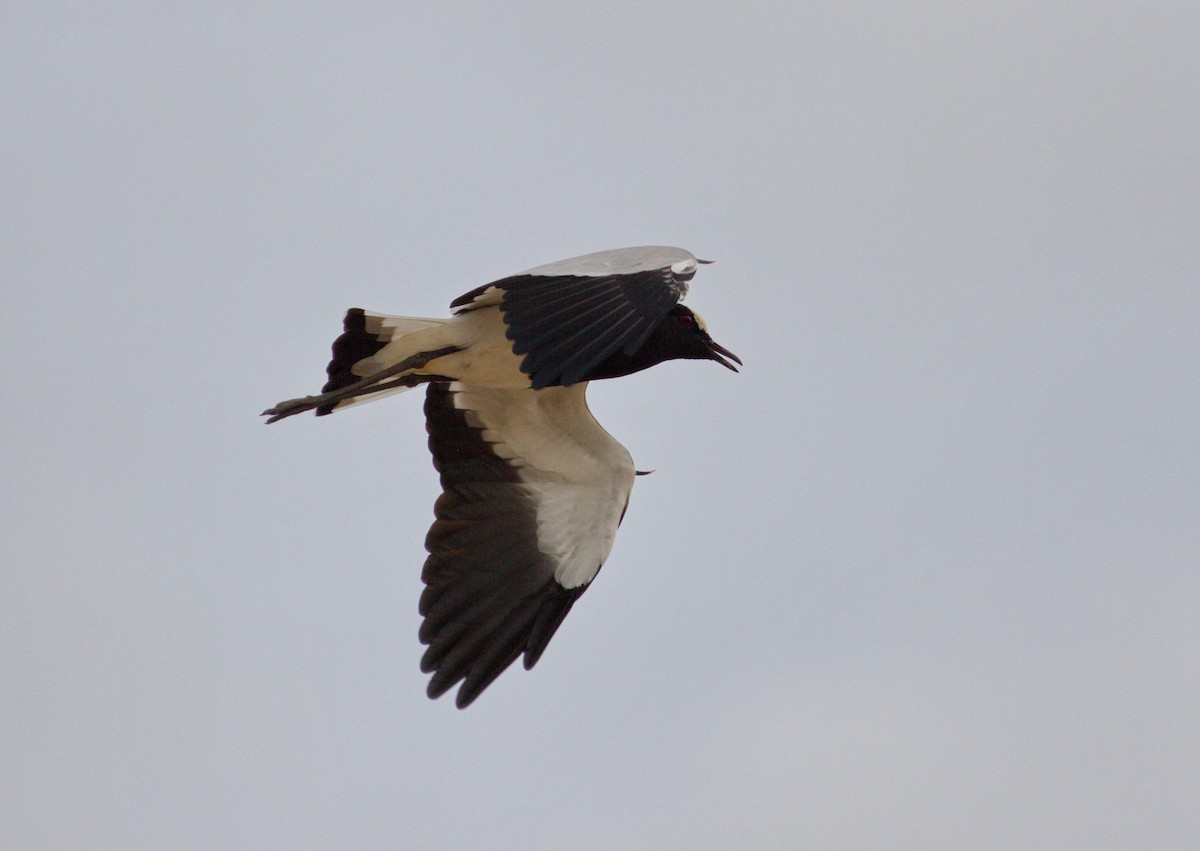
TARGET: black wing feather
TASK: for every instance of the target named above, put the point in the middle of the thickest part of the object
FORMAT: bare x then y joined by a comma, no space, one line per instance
565,337
566,325
490,593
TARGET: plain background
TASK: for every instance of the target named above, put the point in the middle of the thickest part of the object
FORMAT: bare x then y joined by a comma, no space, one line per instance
923,576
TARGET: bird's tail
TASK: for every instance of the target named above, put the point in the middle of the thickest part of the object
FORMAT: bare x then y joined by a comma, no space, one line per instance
376,355
356,353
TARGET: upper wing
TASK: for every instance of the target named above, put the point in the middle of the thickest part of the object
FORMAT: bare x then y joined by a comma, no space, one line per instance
567,317
534,490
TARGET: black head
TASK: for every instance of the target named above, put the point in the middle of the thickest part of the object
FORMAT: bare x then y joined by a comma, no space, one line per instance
681,335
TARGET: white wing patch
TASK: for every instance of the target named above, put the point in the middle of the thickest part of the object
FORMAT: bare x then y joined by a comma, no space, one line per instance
617,261
580,476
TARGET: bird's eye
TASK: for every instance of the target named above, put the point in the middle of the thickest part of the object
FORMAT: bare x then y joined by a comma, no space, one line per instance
686,320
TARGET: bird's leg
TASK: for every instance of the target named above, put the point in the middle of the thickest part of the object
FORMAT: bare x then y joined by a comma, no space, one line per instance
373,383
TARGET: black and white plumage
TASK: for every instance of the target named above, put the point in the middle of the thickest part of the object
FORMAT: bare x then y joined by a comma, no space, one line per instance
533,488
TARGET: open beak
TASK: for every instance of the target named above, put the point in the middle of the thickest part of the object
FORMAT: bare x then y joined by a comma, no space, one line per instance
719,353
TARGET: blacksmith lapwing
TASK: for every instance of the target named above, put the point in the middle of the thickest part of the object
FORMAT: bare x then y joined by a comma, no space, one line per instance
533,488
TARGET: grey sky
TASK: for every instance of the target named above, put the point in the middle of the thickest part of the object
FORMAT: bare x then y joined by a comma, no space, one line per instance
923,576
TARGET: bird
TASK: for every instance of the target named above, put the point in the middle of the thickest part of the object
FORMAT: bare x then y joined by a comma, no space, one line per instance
533,488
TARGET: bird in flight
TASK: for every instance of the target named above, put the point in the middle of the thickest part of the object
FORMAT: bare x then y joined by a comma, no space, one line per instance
533,487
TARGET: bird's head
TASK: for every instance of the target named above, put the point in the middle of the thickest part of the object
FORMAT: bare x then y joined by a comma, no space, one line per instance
683,334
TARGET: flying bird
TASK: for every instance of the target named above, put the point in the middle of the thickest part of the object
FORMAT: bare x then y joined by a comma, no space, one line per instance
533,487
